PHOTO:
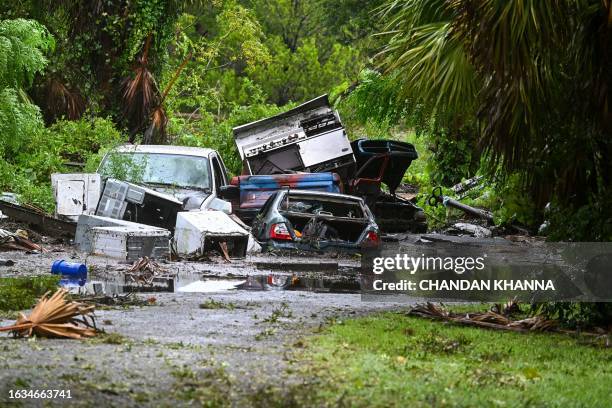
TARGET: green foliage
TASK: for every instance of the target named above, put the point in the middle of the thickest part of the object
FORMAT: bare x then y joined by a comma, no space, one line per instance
19,120
298,75
23,44
495,66
124,167
590,222
212,80
207,132
22,293
581,315
453,156
48,150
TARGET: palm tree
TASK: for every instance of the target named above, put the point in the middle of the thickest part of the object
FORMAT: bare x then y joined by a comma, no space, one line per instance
535,75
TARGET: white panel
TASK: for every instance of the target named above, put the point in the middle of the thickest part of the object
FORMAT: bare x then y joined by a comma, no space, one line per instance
193,226
88,193
70,197
327,146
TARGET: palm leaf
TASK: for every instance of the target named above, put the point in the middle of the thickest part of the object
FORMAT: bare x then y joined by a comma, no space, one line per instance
55,316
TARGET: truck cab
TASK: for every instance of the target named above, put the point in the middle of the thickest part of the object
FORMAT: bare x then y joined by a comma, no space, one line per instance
193,175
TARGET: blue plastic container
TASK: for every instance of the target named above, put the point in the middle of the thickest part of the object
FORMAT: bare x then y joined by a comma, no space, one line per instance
70,271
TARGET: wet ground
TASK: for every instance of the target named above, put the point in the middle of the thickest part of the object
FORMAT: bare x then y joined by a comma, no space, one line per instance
237,346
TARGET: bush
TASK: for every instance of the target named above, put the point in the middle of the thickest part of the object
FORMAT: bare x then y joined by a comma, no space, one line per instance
28,173
217,134
576,314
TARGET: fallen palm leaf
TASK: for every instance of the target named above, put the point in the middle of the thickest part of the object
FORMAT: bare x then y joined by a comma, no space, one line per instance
55,316
488,319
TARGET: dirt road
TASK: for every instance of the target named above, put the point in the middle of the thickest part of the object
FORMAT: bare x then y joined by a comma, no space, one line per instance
237,349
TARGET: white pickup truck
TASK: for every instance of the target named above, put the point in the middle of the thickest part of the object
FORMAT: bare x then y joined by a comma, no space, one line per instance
195,177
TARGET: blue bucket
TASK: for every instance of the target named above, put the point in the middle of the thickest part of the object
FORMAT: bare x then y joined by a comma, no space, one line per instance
71,270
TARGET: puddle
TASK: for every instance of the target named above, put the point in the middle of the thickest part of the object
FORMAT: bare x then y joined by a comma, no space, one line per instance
209,286
195,283
322,284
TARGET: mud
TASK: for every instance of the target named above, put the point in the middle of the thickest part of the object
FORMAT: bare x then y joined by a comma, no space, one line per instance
155,352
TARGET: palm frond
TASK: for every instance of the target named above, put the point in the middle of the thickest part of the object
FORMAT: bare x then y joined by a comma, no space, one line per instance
55,316
434,67
140,92
63,102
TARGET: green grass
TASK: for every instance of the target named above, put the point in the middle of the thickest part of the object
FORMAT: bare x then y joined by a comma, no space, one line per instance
394,360
22,293
215,304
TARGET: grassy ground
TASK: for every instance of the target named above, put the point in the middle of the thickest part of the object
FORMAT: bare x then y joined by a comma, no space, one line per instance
394,360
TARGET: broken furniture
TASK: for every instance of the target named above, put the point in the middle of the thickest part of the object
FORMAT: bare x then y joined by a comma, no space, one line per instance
198,232
131,202
308,138
121,239
75,194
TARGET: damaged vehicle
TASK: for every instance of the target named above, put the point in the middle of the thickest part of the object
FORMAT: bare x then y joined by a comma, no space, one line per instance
295,219
193,175
154,201
310,140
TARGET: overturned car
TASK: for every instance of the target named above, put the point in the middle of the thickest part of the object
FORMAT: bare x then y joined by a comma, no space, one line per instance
297,219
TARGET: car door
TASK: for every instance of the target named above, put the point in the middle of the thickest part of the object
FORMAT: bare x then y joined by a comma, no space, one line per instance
219,175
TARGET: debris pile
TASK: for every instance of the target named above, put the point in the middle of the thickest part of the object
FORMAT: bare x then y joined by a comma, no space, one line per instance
55,316
499,318
19,241
307,148
144,271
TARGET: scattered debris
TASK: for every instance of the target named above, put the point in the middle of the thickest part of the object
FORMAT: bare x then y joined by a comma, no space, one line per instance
199,232
131,243
309,220
144,271
254,190
472,229
18,241
385,162
75,194
467,185
437,197
70,272
38,220
55,316
130,202
121,239
494,320
311,139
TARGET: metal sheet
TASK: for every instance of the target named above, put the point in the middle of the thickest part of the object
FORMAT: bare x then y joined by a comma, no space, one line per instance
325,147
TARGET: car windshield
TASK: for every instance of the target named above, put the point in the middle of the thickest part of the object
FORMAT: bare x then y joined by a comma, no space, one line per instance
158,169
